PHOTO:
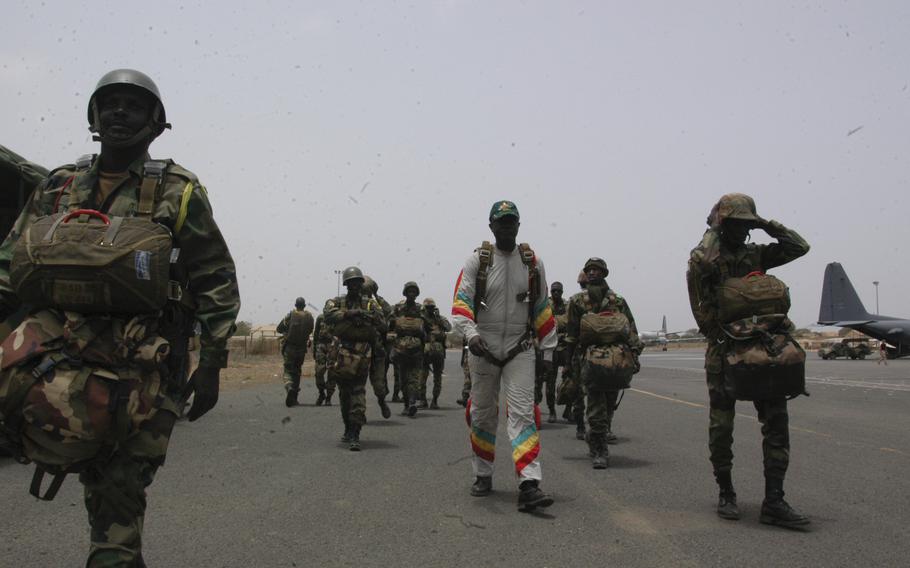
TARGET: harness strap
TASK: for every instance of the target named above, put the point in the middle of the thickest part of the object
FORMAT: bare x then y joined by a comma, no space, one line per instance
153,173
52,489
522,346
485,253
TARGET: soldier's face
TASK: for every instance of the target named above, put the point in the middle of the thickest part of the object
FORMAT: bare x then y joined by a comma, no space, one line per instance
410,294
594,273
735,231
354,286
556,293
505,228
123,112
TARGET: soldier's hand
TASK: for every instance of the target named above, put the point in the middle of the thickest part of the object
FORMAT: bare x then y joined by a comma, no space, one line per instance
203,385
478,346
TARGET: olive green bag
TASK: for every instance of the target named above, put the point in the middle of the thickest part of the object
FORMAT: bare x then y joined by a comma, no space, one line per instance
756,294
608,368
604,328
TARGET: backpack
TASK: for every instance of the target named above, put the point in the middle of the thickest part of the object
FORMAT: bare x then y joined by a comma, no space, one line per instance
300,324
762,360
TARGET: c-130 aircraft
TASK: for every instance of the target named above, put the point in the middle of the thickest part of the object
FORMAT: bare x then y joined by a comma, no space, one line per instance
842,307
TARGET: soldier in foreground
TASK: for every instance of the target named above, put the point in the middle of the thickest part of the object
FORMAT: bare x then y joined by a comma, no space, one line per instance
549,369
131,331
723,254
411,331
295,330
501,308
435,351
602,331
322,339
357,328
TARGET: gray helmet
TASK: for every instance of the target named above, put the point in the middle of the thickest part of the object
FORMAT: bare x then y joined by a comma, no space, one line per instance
410,284
599,262
351,273
370,285
118,77
300,303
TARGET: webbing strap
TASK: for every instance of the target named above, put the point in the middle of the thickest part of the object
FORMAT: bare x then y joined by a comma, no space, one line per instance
152,175
483,270
52,489
522,346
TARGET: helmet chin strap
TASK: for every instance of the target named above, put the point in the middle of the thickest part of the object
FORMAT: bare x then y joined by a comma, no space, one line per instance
147,133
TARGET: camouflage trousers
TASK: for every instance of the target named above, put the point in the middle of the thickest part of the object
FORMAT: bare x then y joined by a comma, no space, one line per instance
293,361
321,366
601,406
545,375
115,494
437,362
378,377
352,399
775,430
410,369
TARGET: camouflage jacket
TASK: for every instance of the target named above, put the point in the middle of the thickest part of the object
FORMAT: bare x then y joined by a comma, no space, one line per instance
711,262
285,325
370,315
560,310
402,309
439,327
582,303
321,332
210,280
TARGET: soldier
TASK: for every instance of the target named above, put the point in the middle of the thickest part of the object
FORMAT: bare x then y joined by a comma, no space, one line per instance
600,301
435,351
126,188
501,307
357,328
322,339
380,363
549,369
295,330
466,368
411,331
723,253
571,391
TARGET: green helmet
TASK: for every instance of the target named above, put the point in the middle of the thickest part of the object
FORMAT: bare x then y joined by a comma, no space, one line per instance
410,284
370,286
599,262
119,77
351,273
733,206
429,302
300,303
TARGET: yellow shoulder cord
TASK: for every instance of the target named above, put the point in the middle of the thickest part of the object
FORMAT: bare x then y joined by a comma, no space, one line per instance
184,206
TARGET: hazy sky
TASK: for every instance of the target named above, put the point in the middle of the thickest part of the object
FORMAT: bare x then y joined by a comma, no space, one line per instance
379,133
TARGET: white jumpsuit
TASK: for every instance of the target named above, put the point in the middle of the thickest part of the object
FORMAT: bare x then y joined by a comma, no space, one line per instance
503,324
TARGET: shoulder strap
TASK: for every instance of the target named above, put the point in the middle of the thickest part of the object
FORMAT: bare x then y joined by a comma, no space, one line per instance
530,260
153,173
485,253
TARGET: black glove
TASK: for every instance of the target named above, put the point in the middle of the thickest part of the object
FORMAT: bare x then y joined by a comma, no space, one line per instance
478,346
204,386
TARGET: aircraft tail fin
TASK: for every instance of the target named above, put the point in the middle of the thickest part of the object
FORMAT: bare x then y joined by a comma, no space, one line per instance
840,301
663,326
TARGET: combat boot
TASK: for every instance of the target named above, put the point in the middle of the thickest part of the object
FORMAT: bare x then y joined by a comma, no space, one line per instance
726,501
412,406
328,398
321,397
776,511
567,414
435,404
396,397
355,438
291,398
346,437
384,408
530,496
601,457
551,419
482,486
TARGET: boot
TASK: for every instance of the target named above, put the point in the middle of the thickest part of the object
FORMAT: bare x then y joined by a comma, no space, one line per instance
384,408
601,457
321,397
355,438
530,496
396,397
552,418
328,398
463,401
776,511
726,501
346,437
435,404
611,437
291,399
567,414
412,407
482,487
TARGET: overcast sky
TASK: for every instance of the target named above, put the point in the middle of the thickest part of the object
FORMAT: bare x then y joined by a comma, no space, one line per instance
378,134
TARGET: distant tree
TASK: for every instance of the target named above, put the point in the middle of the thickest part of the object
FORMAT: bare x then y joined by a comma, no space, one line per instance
243,328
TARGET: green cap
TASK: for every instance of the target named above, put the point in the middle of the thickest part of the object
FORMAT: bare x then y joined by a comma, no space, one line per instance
502,208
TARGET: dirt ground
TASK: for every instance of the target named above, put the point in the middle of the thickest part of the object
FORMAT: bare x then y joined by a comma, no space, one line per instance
257,370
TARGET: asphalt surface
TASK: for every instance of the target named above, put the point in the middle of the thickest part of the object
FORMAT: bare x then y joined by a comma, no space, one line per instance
256,484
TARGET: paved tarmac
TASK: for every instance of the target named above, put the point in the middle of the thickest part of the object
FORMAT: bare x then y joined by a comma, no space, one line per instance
254,484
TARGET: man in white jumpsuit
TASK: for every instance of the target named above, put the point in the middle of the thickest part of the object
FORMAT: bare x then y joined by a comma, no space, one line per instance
501,324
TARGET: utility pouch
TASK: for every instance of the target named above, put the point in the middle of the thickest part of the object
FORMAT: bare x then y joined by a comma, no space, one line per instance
608,368
349,361
604,328
762,361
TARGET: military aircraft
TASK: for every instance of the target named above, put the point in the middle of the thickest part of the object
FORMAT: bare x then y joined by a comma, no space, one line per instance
842,307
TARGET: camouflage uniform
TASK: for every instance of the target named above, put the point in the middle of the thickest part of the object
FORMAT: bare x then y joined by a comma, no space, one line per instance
547,370
322,338
710,262
380,380
115,489
434,353
410,365
601,404
351,390
466,368
294,347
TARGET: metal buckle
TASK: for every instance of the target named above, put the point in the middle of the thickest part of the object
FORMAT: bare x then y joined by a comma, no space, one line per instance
154,168
174,291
